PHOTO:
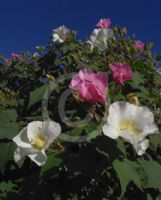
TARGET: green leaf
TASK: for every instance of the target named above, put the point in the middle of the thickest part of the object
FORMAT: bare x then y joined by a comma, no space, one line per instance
149,197
9,130
37,95
92,131
7,116
152,172
158,197
119,97
7,153
8,127
51,162
127,171
5,188
137,79
155,140
139,65
121,146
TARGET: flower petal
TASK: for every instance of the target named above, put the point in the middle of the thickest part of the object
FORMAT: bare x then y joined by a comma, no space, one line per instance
20,153
110,131
144,114
39,158
141,147
101,83
51,130
99,38
33,129
104,23
120,110
61,34
21,139
90,86
150,129
86,74
57,38
145,118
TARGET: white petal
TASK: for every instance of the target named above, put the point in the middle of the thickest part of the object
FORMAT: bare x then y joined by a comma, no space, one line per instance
106,34
91,46
60,34
141,147
39,158
33,129
94,35
150,129
101,34
110,131
55,37
20,153
99,38
21,139
145,118
65,30
128,137
52,131
121,110
144,115
144,144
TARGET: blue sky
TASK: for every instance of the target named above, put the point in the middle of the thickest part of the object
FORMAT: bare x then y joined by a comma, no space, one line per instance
28,23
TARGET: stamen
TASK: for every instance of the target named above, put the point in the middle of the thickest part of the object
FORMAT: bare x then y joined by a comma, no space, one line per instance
130,126
39,141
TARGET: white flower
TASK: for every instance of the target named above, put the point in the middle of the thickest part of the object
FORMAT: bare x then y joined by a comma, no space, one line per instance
99,38
61,34
131,122
34,139
159,70
36,56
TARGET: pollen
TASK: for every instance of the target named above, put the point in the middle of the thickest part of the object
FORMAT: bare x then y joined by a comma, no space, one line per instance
39,141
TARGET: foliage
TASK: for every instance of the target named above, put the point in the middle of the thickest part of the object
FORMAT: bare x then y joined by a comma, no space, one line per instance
99,168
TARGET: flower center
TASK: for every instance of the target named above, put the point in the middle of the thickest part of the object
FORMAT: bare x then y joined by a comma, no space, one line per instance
130,126
39,141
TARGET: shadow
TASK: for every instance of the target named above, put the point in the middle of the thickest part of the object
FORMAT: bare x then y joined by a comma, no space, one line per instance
84,171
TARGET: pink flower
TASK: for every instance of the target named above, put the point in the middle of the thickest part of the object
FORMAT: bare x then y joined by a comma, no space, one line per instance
139,45
90,86
121,72
15,56
6,60
104,23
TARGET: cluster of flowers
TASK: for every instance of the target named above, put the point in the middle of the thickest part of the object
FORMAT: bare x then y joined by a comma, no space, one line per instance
128,121
13,56
98,38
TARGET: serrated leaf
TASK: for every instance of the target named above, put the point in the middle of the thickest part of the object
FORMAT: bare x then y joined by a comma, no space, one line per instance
127,171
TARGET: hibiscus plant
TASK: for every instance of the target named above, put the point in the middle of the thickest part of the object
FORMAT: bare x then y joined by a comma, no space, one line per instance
81,119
